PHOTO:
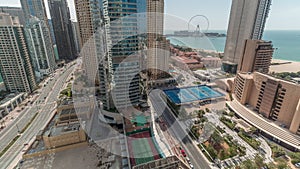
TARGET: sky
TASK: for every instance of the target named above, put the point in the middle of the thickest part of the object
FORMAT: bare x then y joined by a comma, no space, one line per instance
284,14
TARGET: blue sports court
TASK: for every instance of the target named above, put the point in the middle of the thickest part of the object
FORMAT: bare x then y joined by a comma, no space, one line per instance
191,94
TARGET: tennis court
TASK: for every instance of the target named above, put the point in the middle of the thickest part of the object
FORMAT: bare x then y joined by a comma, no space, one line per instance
141,148
191,94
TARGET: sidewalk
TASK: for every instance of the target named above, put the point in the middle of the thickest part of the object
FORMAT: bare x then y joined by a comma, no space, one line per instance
15,113
159,136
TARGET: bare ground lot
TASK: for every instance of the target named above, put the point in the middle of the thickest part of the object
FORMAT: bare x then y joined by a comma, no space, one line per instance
87,157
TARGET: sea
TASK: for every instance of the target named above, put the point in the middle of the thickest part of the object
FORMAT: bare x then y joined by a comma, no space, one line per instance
285,42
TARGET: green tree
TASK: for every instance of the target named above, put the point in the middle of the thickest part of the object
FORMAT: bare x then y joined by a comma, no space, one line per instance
259,161
248,164
281,164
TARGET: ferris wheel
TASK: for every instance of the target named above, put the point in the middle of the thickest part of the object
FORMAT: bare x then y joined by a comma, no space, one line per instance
198,23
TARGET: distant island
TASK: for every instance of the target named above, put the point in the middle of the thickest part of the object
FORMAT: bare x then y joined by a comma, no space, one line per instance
186,33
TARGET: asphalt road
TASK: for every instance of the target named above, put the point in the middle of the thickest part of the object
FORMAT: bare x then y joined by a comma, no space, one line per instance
178,132
41,105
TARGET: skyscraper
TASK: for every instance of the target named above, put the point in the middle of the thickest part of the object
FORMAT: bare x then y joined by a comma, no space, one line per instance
247,21
76,35
158,47
42,55
108,32
36,20
62,27
121,19
89,19
93,45
257,56
15,64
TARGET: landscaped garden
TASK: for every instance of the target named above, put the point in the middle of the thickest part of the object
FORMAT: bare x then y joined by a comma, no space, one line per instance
249,139
220,147
228,122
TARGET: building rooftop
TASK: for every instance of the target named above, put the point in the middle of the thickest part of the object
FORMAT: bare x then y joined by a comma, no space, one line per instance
186,60
59,130
9,97
210,58
246,75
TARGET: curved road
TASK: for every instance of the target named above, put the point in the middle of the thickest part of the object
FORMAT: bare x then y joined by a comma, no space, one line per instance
196,157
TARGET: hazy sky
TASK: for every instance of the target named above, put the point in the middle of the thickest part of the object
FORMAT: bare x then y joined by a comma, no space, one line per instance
284,14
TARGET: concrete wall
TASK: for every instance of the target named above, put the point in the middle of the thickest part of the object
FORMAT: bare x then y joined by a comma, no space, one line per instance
64,139
45,152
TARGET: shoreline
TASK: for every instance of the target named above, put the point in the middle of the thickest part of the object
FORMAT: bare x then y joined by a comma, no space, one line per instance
284,66
277,65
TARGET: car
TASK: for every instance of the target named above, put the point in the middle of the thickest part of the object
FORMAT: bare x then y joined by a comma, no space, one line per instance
188,160
183,152
297,165
191,165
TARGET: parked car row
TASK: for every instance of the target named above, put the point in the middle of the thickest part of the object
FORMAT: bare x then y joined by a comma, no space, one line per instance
186,158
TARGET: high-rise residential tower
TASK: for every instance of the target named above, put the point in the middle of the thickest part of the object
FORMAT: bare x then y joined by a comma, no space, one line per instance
109,46
121,19
42,55
62,26
158,52
257,56
93,46
247,21
37,27
76,35
15,63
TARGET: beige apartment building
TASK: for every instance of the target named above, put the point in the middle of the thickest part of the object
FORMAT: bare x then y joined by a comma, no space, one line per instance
257,56
273,98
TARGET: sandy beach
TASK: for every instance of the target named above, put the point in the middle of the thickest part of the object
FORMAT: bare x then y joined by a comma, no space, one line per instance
285,66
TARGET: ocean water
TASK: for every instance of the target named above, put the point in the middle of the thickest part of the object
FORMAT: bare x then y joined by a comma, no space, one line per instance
286,43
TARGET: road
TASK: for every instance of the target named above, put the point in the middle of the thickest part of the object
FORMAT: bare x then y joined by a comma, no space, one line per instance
44,105
198,161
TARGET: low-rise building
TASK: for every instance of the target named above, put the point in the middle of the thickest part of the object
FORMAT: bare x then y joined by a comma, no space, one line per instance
186,63
59,136
10,102
211,62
